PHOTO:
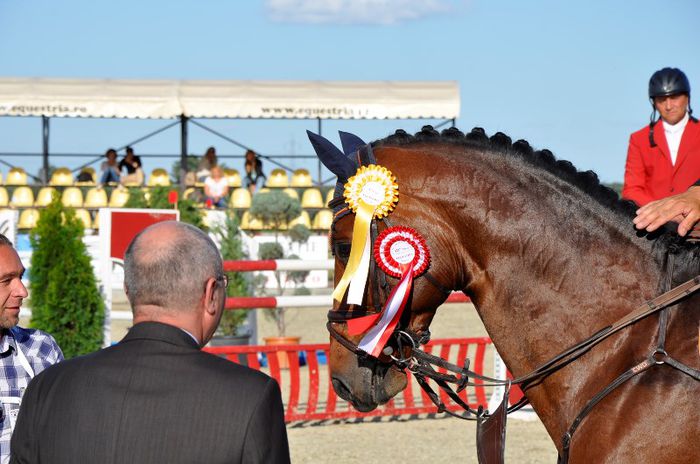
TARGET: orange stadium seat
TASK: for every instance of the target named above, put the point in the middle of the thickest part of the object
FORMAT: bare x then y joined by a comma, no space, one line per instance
72,198
95,198
44,197
240,198
311,198
61,177
16,176
27,219
301,178
159,177
278,178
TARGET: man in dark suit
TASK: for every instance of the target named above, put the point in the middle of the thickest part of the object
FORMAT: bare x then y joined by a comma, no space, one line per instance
156,397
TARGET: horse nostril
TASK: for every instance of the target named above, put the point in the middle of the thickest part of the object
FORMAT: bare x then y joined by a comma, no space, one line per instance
341,389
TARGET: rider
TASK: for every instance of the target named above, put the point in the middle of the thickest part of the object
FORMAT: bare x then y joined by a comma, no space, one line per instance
664,157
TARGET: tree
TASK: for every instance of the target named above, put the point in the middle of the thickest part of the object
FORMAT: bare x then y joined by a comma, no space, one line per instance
238,283
65,299
275,209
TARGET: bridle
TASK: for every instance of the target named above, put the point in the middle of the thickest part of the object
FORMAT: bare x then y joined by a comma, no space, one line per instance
405,353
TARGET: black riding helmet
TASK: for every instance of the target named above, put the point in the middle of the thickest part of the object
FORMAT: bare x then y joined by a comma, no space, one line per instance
665,82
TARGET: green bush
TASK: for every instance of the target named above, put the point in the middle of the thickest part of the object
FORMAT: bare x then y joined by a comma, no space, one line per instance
65,299
158,199
275,209
238,283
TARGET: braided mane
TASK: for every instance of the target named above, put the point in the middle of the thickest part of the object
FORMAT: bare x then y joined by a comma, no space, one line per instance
586,181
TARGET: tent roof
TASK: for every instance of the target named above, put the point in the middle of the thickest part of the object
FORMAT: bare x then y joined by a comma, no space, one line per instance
166,99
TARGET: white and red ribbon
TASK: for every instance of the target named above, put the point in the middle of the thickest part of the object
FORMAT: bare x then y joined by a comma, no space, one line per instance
400,252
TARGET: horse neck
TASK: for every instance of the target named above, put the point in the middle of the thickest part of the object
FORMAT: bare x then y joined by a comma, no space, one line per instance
547,265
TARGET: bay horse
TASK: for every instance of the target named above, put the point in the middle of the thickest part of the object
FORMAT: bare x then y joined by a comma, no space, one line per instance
548,256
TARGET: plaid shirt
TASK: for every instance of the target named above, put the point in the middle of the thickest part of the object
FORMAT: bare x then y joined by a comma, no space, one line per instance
41,350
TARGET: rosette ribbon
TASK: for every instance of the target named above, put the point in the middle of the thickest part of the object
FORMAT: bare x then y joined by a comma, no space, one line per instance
400,252
371,193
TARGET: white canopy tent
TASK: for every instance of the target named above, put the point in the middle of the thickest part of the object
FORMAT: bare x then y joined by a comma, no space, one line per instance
170,99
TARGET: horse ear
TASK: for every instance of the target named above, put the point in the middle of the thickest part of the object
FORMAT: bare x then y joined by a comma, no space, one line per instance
332,157
350,142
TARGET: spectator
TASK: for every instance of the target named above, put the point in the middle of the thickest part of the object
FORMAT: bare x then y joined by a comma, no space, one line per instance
155,397
207,162
664,158
216,188
253,171
134,171
23,352
110,168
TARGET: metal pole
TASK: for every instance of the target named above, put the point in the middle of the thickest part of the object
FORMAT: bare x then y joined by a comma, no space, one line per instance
320,179
454,121
45,138
183,151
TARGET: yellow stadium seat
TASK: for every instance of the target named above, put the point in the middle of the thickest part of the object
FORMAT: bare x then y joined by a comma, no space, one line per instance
248,223
61,177
323,220
118,198
302,219
16,176
240,198
95,198
0,177
96,221
84,217
4,197
329,195
233,177
28,219
291,193
301,178
44,197
22,197
72,198
159,177
311,198
278,178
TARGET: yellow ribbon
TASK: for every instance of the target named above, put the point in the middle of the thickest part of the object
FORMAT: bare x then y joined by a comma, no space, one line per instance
360,234
378,187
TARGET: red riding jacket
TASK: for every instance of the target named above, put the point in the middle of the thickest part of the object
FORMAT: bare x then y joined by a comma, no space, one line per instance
649,174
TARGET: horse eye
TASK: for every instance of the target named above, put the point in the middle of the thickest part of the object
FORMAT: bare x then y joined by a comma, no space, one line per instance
342,251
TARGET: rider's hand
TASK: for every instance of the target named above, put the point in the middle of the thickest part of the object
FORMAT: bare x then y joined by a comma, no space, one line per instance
683,209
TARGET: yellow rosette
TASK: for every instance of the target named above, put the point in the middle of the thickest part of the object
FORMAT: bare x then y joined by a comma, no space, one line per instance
371,193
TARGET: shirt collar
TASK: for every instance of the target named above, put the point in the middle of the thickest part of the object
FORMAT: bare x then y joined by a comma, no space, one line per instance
677,127
193,337
8,341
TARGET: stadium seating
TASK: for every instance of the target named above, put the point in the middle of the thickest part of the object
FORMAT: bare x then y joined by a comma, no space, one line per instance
329,195
96,198
16,176
90,171
44,197
248,223
72,197
28,219
4,198
301,178
22,197
61,177
291,193
233,177
323,220
118,198
159,177
302,219
84,216
311,198
240,198
278,178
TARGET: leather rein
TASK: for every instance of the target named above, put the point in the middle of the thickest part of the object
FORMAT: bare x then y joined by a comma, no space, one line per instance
403,348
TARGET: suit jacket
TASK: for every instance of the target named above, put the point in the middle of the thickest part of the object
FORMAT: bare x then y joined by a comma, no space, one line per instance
153,398
649,174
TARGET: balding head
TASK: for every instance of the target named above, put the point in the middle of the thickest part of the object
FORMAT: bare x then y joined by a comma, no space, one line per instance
167,266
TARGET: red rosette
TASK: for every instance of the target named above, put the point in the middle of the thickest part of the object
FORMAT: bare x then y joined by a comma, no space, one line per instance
400,246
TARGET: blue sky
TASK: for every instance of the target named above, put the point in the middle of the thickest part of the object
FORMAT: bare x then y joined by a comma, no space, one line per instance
568,76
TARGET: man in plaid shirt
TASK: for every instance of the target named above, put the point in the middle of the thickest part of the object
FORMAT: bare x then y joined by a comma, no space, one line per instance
23,352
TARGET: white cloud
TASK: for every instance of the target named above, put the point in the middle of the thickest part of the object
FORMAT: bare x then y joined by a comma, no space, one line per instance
354,11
